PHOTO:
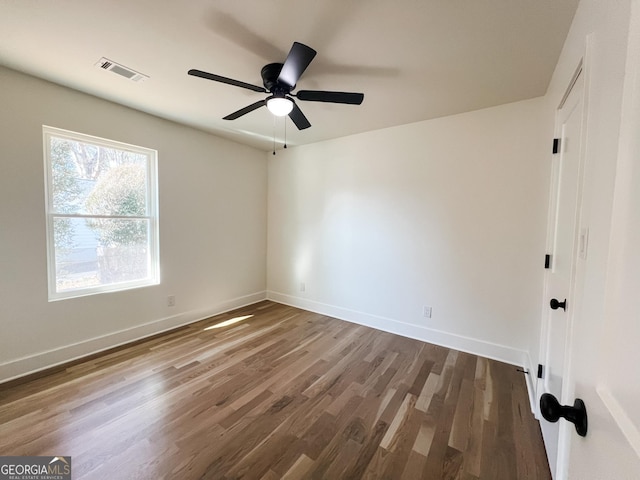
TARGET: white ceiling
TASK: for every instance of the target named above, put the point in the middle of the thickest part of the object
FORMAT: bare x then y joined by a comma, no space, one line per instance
413,59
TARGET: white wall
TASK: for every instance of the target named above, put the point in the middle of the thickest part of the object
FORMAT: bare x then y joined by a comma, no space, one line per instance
601,28
449,213
212,228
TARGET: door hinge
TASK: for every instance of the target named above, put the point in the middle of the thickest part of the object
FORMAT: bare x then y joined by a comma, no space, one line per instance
556,145
540,372
547,261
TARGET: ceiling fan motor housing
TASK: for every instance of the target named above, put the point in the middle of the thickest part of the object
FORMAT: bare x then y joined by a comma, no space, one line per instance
270,74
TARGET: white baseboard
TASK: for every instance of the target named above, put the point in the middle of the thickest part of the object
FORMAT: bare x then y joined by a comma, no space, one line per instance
627,426
51,358
457,342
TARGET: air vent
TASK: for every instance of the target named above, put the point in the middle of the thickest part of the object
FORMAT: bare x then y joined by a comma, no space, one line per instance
121,70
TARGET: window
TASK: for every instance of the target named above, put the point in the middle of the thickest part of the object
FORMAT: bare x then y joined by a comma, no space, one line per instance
102,221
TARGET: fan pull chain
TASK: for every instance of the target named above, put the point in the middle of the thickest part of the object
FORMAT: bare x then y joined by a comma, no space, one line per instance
285,132
274,134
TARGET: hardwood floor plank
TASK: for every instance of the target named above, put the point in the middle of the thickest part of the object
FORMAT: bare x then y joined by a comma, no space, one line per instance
403,442
284,393
414,466
336,443
398,421
452,464
472,458
258,461
462,419
427,392
299,469
369,449
422,445
271,475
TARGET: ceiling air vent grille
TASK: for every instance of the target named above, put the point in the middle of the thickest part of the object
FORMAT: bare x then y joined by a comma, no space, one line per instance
121,70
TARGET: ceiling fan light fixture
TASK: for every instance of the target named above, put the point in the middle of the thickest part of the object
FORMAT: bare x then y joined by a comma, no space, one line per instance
280,106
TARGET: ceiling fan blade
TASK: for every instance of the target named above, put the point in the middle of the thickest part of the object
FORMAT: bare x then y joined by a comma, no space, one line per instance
298,118
297,61
228,81
331,97
245,110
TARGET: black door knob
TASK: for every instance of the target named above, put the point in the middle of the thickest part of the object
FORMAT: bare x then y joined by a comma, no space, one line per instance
555,304
551,410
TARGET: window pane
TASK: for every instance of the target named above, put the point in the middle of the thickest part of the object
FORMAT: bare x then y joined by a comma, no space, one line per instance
97,180
101,209
100,252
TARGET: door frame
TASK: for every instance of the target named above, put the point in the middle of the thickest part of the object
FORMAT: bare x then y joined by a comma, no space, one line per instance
628,151
564,436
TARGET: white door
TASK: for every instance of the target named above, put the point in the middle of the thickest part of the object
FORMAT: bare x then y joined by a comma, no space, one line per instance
563,239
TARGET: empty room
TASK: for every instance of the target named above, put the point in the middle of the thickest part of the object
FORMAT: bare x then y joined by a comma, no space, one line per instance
319,240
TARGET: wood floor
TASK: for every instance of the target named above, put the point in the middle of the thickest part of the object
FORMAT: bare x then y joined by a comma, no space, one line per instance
285,394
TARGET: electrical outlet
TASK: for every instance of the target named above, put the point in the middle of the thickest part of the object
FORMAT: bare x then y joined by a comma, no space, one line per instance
426,311
171,301
303,287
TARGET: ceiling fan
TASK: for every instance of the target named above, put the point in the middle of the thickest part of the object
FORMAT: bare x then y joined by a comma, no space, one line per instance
279,80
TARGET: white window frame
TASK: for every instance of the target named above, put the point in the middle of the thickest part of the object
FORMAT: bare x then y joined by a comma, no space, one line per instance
152,215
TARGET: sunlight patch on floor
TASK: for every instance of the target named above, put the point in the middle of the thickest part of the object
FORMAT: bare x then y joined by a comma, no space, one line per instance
226,323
